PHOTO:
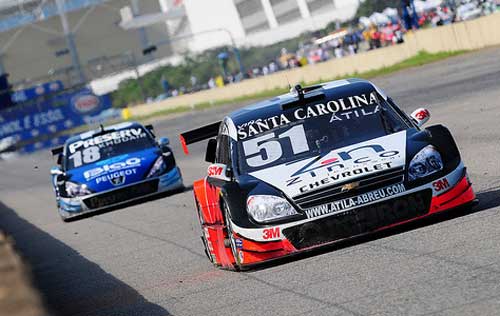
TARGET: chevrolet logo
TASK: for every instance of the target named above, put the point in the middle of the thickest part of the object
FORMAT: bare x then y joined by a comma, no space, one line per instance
349,187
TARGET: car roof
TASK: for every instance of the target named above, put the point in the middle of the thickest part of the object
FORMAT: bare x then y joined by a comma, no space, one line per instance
109,128
331,90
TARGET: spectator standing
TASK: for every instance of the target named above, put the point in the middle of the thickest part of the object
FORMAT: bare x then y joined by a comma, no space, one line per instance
211,83
273,67
164,84
194,81
265,70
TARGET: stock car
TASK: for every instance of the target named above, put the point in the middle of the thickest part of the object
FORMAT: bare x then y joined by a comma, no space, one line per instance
319,165
110,166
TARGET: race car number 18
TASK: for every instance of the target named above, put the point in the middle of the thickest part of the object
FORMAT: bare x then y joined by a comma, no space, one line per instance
88,155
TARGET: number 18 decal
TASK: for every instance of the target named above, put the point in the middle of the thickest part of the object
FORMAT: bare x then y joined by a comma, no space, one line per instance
90,155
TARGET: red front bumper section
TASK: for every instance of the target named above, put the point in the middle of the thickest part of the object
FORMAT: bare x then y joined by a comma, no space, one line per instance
251,252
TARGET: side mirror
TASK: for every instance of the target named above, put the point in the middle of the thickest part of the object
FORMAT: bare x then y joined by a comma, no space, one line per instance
163,143
59,159
151,129
420,116
218,173
211,150
56,171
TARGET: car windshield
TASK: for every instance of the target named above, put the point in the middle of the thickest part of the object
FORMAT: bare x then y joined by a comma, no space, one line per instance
103,146
315,129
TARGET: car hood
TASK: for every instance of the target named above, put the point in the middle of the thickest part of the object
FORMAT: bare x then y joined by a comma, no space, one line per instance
338,166
116,171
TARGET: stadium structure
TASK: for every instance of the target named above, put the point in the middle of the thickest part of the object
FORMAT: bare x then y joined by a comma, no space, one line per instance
44,40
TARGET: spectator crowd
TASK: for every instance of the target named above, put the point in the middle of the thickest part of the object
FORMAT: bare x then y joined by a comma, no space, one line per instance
381,29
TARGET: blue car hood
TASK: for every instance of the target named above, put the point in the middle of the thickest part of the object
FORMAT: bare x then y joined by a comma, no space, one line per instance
115,172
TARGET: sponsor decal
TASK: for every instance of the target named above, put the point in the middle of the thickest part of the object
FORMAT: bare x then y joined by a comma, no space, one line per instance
422,114
218,171
116,178
241,256
106,169
337,166
271,233
85,103
54,86
215,170
345,173
109,139
441,185
362,160
357,201
341,116
39,90
333,107
239,243
372,217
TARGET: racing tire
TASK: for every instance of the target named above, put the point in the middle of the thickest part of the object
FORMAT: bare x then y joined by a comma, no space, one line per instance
232,243
203,236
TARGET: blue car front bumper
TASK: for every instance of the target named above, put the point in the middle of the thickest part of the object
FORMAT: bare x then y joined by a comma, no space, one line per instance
72,207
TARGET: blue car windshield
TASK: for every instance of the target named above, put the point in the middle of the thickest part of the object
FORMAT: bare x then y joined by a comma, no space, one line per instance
103,146
314,129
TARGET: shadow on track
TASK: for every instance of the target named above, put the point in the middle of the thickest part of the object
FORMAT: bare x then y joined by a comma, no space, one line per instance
71,284
489,198
132,203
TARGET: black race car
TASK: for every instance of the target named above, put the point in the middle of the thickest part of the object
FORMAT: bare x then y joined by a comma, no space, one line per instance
318,165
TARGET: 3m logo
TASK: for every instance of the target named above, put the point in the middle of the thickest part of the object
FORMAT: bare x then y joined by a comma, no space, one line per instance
271,233
441,185
422,114
215,170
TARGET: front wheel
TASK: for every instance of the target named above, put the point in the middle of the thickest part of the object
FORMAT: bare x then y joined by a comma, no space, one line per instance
237,254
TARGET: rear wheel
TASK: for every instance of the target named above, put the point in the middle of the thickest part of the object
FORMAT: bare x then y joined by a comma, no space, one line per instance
203,233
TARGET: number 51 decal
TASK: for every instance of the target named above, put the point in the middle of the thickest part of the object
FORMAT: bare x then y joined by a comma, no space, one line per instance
267,149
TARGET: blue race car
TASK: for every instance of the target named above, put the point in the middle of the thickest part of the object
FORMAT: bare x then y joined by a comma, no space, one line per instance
107,167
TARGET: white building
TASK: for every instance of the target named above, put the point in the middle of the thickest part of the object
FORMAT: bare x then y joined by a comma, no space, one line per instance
259,22
33,46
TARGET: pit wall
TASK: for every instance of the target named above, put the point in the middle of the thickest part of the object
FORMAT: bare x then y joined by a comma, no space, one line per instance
469,35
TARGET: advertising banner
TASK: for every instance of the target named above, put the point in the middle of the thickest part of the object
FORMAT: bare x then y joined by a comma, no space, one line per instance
35,121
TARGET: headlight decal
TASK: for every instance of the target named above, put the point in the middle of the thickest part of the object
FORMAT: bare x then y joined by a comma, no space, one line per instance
265,208
158,168
426,162
75,189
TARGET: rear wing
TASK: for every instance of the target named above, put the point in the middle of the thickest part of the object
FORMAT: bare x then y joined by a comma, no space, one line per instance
199,134
57,150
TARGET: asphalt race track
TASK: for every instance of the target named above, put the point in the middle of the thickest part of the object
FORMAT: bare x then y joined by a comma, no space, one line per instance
147,259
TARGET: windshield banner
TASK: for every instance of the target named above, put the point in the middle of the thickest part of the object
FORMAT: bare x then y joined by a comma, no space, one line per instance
33,124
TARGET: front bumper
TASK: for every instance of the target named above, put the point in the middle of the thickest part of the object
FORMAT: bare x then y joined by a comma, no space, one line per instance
73,207
259,245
